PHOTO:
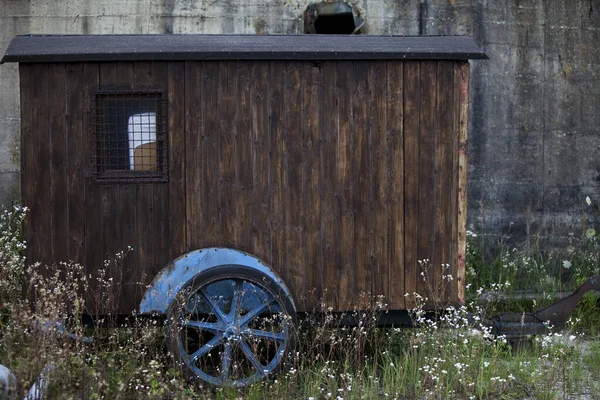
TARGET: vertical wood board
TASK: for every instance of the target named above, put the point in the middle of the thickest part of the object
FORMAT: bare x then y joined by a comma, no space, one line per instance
59,202
346,81
296,174
311,77
193,154
75,161
395,174
177,136
228,152
278,176
411,120
261,216
330,211
443,181
362,182
462,179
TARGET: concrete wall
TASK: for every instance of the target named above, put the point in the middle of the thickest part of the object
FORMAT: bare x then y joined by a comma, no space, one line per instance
535,122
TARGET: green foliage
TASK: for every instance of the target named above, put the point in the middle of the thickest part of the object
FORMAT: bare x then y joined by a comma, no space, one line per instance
521,279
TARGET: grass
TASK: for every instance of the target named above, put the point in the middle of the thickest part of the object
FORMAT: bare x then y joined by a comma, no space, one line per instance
453,356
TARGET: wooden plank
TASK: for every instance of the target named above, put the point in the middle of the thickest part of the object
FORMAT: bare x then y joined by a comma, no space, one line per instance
193,154
462,179
227,98
379,162
143,212
127,234
244,151
211,226
27,155
177,136
455,173
361,104
395,174
159,79
277,134
59,202
345,171
443,180
296,172
110,211
39,165
75,190
261,219
94,245
412,72
311,76
427,279
329,189
118,215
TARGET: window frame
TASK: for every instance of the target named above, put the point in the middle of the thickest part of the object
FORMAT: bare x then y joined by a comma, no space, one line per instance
162,136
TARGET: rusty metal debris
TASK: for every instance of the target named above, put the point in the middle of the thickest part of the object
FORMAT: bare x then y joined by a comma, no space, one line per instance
555,316
337,17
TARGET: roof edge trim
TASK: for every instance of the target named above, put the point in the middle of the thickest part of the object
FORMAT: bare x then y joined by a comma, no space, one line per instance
94,48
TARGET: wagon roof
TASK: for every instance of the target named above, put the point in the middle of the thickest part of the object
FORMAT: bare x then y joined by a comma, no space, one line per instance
69,48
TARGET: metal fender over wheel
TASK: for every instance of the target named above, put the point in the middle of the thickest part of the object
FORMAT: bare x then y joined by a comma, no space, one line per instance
231,326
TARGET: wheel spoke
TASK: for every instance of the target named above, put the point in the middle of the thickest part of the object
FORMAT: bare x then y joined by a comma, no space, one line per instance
252,314
226,361
265,334
211,344
218,312
235,301
252,357
205,326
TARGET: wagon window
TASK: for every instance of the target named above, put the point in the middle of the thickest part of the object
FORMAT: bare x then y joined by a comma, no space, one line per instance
130,133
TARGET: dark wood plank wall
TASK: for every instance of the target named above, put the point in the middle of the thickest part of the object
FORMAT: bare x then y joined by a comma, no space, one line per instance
341,175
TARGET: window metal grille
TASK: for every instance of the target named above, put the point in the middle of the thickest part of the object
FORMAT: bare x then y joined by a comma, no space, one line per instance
129,136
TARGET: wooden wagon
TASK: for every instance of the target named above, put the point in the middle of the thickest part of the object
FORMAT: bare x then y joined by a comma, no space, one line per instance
254,177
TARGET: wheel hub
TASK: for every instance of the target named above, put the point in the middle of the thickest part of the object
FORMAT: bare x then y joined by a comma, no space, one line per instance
232,332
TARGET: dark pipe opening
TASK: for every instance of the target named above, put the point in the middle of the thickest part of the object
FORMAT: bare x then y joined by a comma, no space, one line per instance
342,24
336,18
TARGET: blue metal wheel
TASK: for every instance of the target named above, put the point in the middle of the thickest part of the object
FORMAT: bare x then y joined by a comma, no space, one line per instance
231,326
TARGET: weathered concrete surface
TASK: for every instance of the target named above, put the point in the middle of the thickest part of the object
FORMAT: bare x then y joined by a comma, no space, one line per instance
535,123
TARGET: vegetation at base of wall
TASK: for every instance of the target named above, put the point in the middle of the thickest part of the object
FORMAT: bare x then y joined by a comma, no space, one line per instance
452,356
523,279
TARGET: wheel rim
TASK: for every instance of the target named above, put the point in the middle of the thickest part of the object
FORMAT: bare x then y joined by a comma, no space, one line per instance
232,332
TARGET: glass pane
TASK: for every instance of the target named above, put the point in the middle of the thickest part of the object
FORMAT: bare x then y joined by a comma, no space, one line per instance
141,130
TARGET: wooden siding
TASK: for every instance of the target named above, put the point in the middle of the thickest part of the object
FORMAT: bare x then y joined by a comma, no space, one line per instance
342,175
